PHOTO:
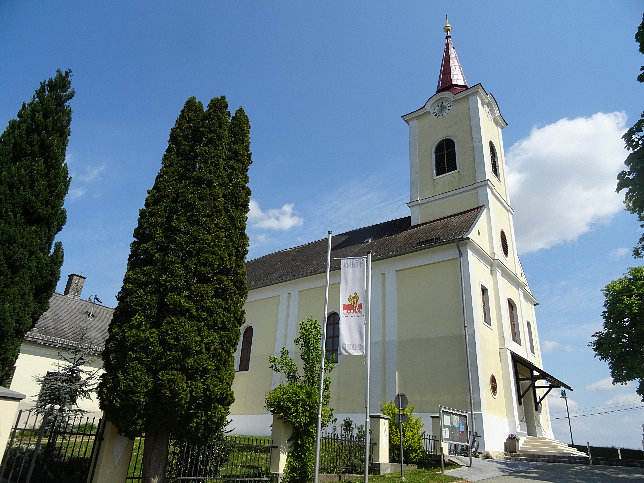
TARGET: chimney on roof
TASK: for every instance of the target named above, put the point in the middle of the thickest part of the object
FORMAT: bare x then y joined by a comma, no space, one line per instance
74,285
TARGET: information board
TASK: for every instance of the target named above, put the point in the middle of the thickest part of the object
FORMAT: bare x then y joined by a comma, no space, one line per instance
454,426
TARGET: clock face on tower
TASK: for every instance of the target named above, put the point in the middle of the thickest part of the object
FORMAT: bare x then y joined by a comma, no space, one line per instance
441,108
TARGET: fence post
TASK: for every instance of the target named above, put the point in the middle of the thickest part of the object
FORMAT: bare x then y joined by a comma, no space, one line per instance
379,428
9,401
280,433
113,458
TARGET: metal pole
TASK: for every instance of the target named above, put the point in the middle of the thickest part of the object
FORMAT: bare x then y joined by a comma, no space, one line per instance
326,308
565,398
368,369
402,471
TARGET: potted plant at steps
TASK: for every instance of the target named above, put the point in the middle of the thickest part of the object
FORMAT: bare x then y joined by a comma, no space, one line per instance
512,443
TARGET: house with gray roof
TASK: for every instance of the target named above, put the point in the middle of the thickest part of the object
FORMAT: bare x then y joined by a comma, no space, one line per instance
70,322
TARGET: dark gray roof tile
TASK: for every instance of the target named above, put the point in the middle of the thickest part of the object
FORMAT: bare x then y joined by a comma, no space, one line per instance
70,322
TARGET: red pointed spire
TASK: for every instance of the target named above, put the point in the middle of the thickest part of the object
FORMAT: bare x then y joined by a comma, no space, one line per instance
451,77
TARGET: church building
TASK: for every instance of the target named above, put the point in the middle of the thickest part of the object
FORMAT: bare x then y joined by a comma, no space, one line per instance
452,316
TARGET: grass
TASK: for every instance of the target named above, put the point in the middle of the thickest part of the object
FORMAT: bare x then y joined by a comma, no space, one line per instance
411,476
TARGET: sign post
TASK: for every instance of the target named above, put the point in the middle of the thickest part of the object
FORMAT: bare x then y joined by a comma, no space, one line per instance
401,403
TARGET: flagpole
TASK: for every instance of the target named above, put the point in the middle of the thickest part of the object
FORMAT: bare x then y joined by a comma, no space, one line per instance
326,308
367,351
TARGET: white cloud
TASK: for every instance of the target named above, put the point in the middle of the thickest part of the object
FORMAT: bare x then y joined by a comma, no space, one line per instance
549,346
81,179
632,399
619,253
89,173
75,193
274,219
557,403
562,178
605,384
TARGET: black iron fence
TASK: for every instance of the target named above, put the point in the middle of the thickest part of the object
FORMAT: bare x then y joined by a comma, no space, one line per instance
235,458
49,449
431,445
342,453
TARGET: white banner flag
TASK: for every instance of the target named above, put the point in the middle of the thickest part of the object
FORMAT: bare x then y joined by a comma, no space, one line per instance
352,317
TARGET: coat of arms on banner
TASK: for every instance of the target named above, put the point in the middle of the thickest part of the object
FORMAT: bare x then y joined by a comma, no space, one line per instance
353,307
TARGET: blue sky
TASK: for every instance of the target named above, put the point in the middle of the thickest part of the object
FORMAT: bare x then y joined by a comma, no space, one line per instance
324,85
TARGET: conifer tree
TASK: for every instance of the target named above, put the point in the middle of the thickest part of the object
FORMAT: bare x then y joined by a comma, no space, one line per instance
33,183
169,355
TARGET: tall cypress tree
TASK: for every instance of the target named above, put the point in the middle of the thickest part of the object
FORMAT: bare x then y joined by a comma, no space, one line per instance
33,183
169,356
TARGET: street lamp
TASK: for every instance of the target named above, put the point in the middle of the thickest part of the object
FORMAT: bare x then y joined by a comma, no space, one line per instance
565,398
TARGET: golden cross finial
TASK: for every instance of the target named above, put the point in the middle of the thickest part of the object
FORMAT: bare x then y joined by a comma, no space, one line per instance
447,27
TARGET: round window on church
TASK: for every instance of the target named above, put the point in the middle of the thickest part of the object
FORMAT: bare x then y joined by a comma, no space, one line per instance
494,389
504,244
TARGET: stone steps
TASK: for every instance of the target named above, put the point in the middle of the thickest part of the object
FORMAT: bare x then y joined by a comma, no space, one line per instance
537,445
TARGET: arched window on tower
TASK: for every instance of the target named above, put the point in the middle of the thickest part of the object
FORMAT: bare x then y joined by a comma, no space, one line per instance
494,160
445,156
332,343
247,343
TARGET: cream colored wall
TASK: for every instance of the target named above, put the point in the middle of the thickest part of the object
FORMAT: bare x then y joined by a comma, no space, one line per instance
36,360
491,132
480,234
431,359
8,413
502,221
456,125
488,339
448,206
262,316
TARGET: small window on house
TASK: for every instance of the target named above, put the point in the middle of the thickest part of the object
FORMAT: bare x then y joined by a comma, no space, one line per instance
485,300
332,336
247,343
494,160
514,322
504,244
445,156
530,340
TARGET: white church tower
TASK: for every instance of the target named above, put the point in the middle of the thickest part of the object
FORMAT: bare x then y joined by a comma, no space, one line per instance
457,163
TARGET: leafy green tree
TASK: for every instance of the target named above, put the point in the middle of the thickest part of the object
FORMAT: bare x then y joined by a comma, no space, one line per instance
169,356
33,184
632,178
297,401
412,434
621,342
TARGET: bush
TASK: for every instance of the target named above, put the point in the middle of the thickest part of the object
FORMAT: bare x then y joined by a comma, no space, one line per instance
412,434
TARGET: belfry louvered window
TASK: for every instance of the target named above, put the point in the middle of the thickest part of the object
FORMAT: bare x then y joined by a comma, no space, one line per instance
445,156
494,160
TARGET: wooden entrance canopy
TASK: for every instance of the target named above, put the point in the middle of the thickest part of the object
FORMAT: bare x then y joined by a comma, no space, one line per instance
525,370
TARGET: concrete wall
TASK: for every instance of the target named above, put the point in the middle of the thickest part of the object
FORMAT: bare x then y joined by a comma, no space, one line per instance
9,402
